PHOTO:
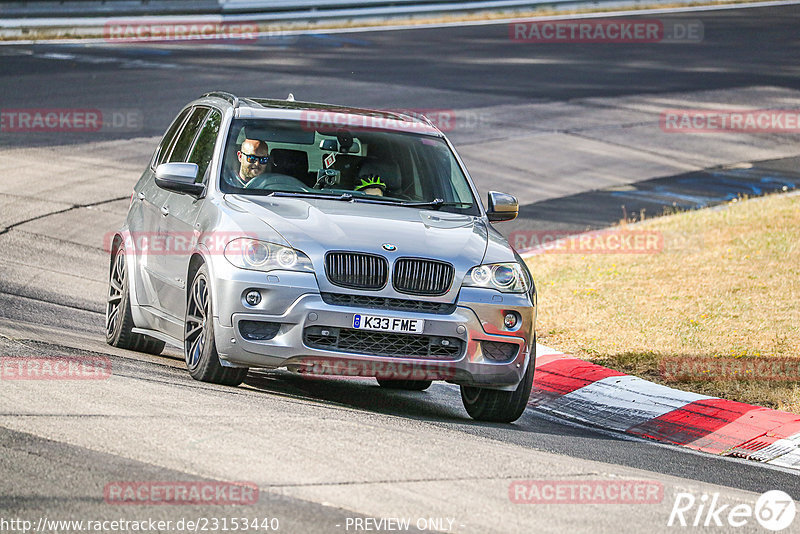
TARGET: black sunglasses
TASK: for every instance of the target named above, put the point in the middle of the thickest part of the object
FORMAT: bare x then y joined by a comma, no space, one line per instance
252,159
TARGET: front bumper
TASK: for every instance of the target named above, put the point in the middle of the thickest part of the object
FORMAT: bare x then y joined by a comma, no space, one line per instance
293,302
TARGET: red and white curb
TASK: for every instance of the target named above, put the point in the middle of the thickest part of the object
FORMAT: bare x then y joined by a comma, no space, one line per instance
575,389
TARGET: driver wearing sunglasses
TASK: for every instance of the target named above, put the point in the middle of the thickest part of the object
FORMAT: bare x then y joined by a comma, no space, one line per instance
253,160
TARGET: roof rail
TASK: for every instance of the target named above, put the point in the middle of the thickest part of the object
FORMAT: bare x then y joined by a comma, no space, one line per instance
426,119
233,99
417,115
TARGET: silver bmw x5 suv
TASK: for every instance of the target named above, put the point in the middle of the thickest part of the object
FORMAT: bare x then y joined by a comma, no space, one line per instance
328,240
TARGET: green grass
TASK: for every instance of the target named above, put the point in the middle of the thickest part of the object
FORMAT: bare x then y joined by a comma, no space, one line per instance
726,284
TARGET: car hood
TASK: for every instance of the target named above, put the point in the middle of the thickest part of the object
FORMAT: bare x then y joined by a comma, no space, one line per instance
316,226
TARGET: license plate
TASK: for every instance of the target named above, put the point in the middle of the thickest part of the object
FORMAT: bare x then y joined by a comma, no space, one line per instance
388,324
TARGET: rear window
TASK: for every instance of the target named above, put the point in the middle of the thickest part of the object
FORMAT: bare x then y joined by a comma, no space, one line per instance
184,142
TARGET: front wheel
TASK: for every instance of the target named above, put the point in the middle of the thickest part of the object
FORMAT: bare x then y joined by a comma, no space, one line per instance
499,406
407,385
199,348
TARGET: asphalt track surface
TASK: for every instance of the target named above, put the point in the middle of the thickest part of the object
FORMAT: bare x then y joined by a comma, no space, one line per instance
437,68
323,451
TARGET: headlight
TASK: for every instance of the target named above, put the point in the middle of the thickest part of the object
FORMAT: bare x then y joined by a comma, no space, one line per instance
255,255
505,277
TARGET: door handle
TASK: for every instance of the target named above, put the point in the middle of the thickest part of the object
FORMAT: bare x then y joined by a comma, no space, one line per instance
141,195
165,210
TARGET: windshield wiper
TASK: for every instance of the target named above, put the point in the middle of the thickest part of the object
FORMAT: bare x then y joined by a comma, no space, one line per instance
437,203
347,197
344,196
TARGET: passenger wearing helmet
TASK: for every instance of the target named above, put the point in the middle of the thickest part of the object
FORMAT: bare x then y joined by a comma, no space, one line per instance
371,184
378,177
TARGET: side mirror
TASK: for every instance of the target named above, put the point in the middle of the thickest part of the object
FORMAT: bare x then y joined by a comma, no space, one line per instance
179,178
502,207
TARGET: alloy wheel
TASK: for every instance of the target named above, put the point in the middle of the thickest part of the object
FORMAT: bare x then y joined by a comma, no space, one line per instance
196,322
116,287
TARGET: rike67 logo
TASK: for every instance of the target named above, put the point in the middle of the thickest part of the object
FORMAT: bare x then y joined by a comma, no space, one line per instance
774,510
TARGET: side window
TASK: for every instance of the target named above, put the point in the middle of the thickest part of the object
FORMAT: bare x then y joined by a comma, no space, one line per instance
169,138
203,149
186,137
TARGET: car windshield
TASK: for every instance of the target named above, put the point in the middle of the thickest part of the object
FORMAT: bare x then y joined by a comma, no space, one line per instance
279,157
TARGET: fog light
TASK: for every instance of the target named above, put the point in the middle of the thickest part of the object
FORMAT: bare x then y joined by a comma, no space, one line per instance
253,298
258,330
510,320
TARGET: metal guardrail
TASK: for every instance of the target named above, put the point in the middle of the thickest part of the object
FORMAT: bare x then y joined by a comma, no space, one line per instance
86,19
280,9
98,8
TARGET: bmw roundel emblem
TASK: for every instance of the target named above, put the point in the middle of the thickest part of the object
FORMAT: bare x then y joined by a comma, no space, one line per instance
389,247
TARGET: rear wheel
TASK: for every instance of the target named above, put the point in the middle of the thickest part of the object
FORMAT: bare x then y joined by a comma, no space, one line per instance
408,385
119,319
499,406
199,348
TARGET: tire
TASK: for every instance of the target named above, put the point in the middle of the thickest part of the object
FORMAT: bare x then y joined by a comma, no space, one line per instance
499,406
199,347
408,385
119,319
